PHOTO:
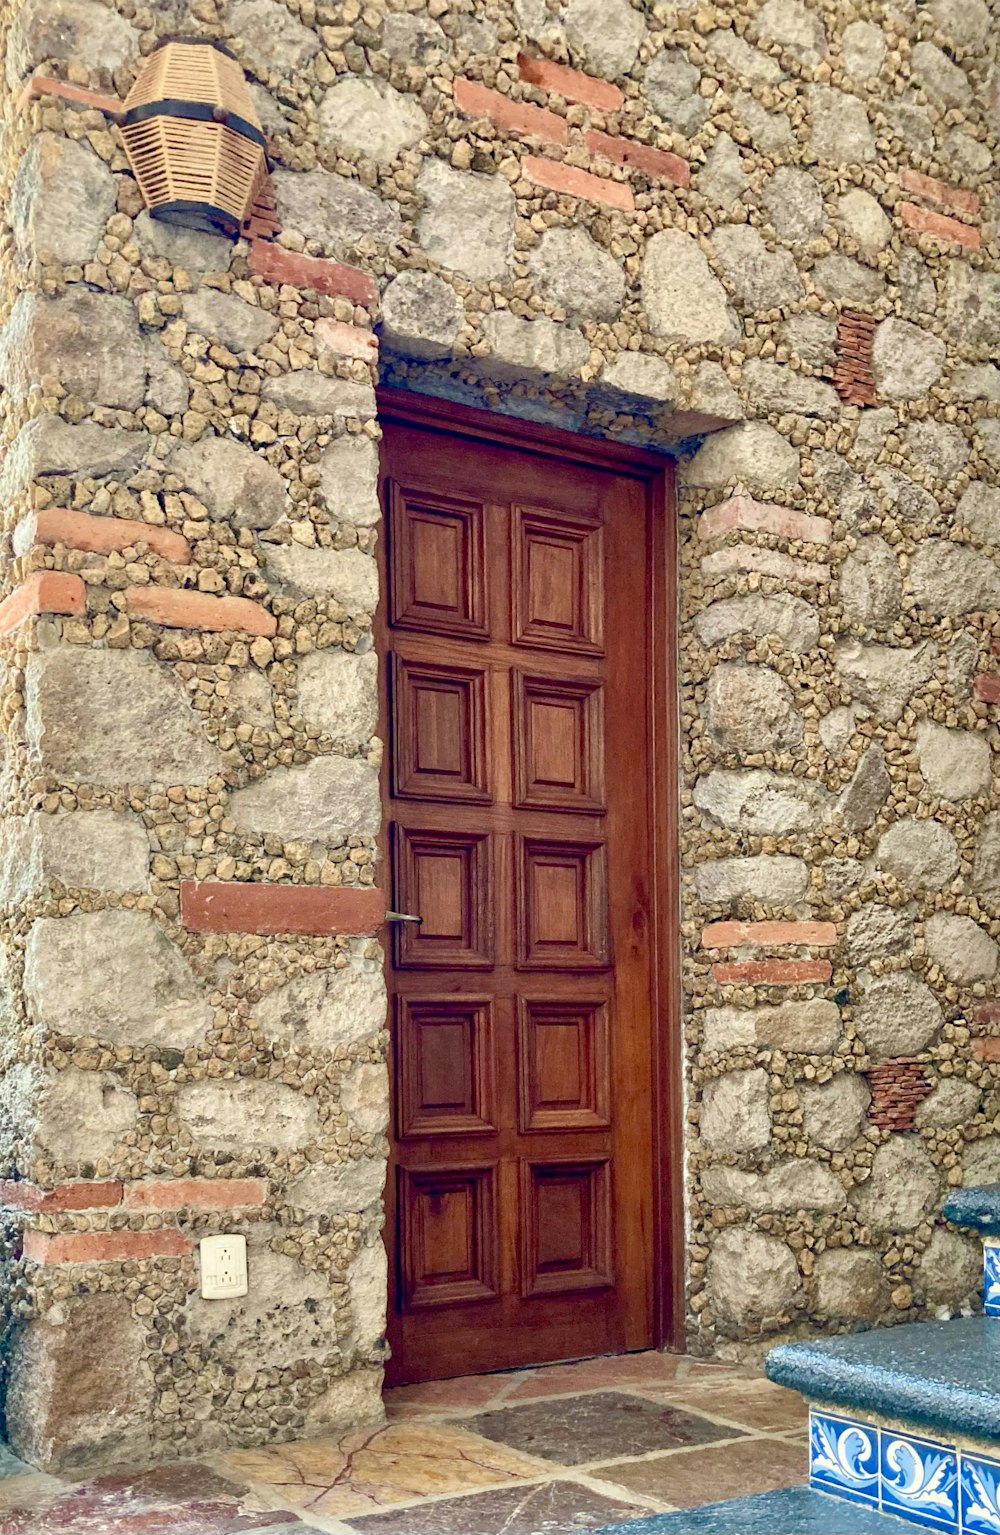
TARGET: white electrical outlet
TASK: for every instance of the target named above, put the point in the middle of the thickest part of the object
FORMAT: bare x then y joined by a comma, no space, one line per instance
223,1267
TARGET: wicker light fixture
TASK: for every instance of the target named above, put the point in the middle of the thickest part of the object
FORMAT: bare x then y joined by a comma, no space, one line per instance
193,139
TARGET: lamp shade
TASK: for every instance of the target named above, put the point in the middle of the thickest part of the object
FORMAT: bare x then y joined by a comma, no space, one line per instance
193,139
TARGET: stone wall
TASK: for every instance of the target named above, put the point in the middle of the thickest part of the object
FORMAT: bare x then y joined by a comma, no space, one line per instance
635,220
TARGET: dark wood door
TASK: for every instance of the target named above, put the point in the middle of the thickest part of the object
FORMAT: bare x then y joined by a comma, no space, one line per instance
518,812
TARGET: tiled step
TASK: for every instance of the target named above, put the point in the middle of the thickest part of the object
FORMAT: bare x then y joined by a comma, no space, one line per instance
905,1420
791,1511
978,1209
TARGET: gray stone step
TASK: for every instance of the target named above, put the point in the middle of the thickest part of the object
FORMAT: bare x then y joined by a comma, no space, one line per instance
977,1209
945,1375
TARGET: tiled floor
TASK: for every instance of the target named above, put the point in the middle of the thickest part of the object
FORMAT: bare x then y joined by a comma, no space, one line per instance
551,1451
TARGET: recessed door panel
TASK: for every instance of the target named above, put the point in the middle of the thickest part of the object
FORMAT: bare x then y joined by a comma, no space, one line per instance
518,808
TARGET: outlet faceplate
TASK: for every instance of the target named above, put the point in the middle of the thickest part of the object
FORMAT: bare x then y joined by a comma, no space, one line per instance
223,1267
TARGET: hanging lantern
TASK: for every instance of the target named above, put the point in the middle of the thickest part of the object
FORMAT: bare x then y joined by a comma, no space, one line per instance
193,139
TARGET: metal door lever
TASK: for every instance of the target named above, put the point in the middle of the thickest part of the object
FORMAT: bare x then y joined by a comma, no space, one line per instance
401,916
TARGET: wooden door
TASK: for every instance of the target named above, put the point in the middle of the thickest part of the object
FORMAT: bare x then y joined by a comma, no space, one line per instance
518,812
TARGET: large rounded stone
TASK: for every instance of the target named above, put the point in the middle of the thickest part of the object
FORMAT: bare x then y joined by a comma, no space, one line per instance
950,1269
524,348
949,579
751,709
812,1027
762,279
370,118
338,693
876,932
574,273
116,975
89,341
349,576
862,48
956,764
81,1116
943,80
605,34
791,619
979,511
841,131
795,26
794,203
761,802
986,867
333,209
867,791
83,850
850,1285
753,452
307,392
271,38
796,1184
671,85
234,483
328,1010
961,948
883,677
774,878
348,480
921,854
833,1113
981,1162
907,359
752,1278
326,800
62,198
861,217
224,317
78,728
421,315
683,298
871,583
903,1189
93,35
953,1102
943,451
247,1114
897,1015
341,1189
467,222
735,1115
364,1095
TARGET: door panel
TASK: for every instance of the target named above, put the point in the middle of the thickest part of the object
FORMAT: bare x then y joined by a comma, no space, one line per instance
518,809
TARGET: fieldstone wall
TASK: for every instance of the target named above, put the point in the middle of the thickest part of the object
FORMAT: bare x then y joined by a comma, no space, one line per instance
645,221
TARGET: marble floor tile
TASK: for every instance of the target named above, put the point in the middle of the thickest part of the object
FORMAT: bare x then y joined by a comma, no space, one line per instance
556,1507
377,1468
186,1499
444,1396
758,1405
576,1430
731,1470
650,1368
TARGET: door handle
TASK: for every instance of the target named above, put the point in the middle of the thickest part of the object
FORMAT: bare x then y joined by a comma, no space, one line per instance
401,916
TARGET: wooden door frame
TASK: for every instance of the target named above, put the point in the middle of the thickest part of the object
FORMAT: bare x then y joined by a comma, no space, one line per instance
657,472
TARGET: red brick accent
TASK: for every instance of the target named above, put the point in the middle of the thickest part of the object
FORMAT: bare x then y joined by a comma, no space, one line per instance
986,1015
643,157
898,1088
103,1246
211,906
987,687
347,340
951,230
177,609
570,84
766,562
477,100
987,1049
853,378
725,935
939,192
773,972
42,85
556,177
46,591
749,516
101,535
314,272
15,1195
196,1194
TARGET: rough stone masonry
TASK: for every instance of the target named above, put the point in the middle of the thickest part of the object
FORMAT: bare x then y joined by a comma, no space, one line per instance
632,219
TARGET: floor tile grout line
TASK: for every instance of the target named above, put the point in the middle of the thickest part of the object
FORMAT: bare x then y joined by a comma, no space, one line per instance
616,1490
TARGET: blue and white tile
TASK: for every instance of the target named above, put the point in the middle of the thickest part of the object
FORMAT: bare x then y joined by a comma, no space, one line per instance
919,1480
979,1493
991,1278
843,1457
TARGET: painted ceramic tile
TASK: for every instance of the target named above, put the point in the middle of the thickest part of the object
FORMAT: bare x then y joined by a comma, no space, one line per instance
843,1457
919,1480
991,1279
980,1495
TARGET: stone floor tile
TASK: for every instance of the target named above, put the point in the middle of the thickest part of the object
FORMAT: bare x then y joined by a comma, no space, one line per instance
557,1507
706,1476
371,1469
185,1499
576,1430
443,1396
649,1368
758,1405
